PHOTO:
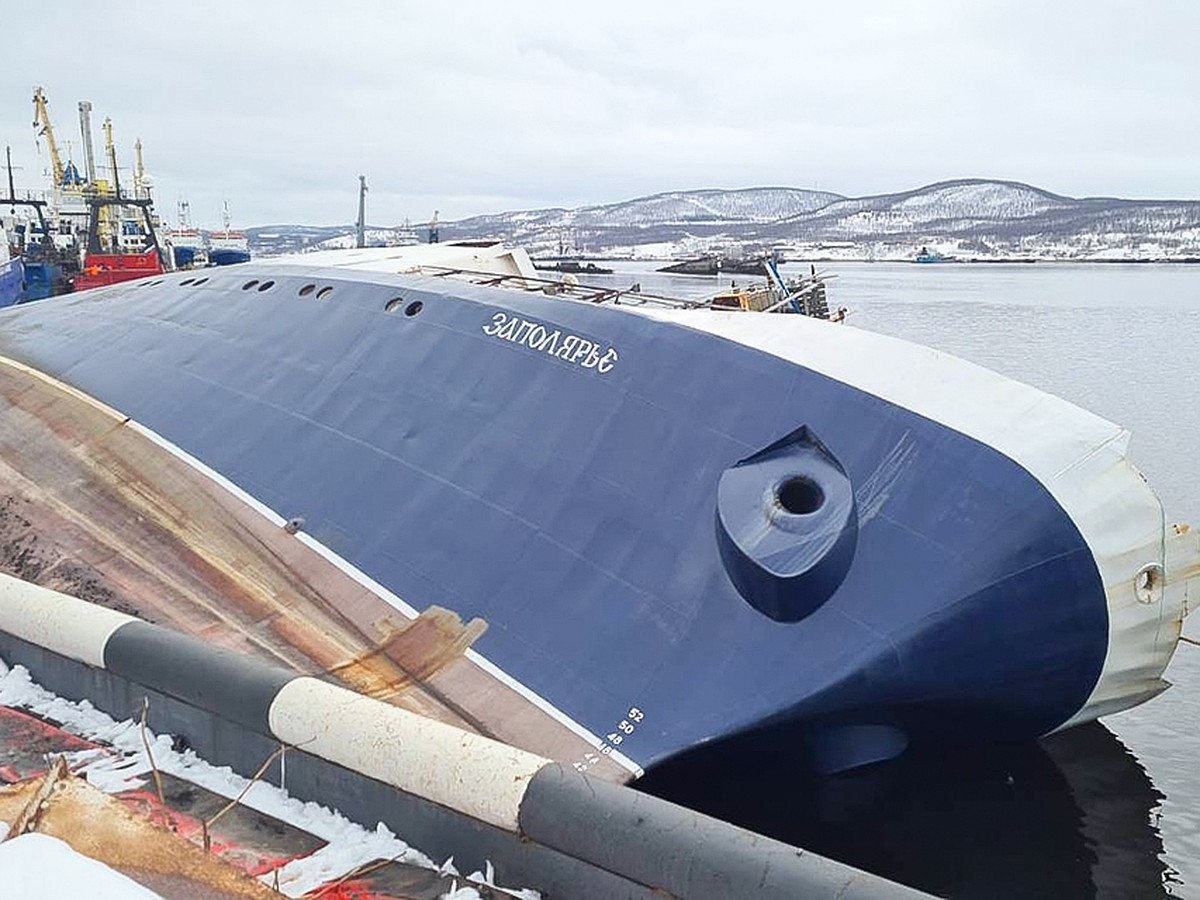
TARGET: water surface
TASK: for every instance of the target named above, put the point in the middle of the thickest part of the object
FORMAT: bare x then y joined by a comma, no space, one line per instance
1108,810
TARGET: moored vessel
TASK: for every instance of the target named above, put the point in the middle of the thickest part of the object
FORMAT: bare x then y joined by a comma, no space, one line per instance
85,231
605,532
227,247
12,274
708,264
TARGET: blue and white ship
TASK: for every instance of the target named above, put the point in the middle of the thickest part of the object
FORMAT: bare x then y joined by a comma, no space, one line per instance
12,274
605,532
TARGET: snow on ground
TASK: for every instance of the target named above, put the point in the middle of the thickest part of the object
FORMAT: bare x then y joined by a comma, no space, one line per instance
349,844
37,865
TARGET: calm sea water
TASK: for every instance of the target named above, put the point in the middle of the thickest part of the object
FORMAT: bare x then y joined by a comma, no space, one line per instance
1109,810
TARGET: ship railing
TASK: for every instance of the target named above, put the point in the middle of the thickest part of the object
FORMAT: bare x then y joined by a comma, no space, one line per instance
805,295
570,288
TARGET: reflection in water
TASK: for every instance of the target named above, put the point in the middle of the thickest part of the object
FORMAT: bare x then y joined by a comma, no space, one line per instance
1070,816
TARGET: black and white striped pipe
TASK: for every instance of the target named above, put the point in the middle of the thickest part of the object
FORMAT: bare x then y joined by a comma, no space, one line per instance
639,837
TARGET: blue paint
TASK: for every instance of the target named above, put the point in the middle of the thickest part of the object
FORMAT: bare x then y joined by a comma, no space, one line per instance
787,526
12,281
574,510
42,279
227,256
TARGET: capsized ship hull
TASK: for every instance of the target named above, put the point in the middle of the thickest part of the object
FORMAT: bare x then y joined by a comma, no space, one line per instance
604,534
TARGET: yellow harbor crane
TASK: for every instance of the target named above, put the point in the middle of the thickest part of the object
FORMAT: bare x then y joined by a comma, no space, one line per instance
41,119
110,150
101,195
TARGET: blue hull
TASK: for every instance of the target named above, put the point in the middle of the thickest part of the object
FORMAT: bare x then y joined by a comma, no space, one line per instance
12,282
596,505
227,257
42,280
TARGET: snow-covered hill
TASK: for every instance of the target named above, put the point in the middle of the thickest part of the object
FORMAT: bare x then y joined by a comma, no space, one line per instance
976,218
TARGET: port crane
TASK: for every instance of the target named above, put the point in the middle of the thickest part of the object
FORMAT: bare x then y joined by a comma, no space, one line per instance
41,120
110,150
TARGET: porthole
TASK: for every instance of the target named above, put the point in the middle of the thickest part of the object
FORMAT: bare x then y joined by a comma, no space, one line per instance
266,286
324,293
394,304
186,281
249,284
801,496
307,289
199,281
413,308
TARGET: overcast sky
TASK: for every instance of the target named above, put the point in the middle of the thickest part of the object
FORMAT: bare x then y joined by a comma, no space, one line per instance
482,107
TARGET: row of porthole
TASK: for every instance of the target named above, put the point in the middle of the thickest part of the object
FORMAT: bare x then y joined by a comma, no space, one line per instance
393,305
409,310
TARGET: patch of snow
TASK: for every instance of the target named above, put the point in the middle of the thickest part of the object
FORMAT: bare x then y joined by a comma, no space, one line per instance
488,879
349,845
335,859
37,865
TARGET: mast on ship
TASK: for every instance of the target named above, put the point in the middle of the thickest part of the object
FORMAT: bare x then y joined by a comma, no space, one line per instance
139,171
37,205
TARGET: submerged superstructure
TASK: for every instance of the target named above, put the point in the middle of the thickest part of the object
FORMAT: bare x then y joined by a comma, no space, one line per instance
606,531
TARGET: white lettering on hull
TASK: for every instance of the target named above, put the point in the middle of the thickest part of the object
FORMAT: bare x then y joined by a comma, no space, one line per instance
571,348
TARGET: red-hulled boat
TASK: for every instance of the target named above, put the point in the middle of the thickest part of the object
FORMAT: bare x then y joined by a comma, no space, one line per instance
102,265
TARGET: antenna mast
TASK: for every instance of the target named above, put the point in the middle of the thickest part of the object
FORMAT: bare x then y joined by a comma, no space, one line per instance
139,173
361,239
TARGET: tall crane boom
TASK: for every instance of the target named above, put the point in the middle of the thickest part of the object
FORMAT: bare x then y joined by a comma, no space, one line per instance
110,150
41,119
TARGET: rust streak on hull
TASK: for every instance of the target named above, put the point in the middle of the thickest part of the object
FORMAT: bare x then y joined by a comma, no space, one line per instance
93,507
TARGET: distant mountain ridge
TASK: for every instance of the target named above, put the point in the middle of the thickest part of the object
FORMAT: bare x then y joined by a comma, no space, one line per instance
973,218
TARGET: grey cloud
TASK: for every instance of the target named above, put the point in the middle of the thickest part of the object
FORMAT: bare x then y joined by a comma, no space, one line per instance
475,107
